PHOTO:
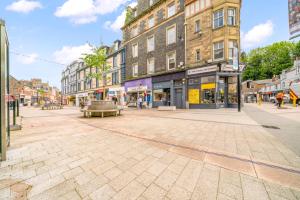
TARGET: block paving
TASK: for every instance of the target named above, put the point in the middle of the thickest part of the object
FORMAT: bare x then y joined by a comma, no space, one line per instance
187,154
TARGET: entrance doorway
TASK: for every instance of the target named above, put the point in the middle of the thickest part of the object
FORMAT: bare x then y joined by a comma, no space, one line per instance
178,98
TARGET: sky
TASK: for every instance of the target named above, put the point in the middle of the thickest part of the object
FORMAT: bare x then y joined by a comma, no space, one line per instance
46,35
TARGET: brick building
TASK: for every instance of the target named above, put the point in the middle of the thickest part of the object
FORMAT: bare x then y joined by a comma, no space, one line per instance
154,42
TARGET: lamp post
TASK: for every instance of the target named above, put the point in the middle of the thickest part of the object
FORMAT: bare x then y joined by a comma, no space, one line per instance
236,64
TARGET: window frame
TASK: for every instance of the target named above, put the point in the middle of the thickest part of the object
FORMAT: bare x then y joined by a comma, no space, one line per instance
135,68
168,9
233,16
196,55
218,18
151,36
153,21
148,71
197,25
167,36
168,59
231,49
214,50
137,50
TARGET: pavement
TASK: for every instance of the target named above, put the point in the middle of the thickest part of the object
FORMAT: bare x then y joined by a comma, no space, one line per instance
147,154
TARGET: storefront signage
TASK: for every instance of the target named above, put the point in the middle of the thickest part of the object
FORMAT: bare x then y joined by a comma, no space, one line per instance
207,86
138,85
82,95
202,70
194,96
137,89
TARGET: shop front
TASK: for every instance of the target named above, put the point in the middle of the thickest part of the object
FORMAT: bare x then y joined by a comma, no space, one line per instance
169,90
212,87
136,88
117,92
81,97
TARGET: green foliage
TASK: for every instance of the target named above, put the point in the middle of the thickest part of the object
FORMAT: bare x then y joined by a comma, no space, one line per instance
129,15
264,63
296,52
97,59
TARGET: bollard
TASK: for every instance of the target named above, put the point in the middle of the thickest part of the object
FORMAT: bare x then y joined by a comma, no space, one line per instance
14,113
294,102
18,108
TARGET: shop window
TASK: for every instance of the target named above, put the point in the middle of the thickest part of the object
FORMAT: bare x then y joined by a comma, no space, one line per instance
135,70
231,19
232,90
150,65
135,50
218,18
171,35
151,21
171,61
208,87
194,81
162,95
198,55
171,9
150,43
197,26
218,50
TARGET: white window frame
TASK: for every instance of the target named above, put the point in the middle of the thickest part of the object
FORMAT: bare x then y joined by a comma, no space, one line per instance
231,46
150,2
148,46
151,22
152,69
231,16
171,12
135,54
167,38
168,59
135,69
214,49
218,18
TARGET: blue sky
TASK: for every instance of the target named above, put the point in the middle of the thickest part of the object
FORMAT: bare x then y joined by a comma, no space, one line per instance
60,30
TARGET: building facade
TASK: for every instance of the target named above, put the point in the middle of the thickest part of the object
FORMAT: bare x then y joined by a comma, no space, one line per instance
212,43
154,42
69,83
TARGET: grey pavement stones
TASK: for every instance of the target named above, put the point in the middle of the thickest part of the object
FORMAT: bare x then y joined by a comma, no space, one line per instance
61,156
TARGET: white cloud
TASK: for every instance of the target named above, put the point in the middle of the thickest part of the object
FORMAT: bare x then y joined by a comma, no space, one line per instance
68,54
119,22
24,6
257,35
83,12
28,59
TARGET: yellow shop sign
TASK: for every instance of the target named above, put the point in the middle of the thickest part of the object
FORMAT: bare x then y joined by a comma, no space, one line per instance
208,86
194,96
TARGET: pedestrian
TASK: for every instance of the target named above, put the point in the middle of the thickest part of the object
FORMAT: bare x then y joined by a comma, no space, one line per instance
140,102
115,100
279,98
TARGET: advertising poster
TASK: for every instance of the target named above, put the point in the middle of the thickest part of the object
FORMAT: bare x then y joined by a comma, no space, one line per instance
294,17
194,96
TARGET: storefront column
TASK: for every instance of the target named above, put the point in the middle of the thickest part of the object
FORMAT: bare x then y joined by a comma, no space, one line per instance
172,93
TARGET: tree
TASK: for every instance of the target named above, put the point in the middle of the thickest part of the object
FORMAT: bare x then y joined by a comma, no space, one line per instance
129,15
296,52
264,63
97,59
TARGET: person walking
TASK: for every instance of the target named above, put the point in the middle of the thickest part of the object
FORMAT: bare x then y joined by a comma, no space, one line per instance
140,102
279,98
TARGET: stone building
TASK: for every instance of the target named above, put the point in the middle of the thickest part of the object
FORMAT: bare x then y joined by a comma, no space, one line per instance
154,42
116,75
212,43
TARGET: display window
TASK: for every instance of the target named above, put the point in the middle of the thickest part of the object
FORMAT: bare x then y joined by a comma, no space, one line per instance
208,91
232,90
162,95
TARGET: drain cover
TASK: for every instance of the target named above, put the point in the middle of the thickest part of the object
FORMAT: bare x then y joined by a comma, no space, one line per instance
271,127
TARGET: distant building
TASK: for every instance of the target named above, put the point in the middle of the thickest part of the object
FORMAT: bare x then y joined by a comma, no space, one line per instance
250,89
290,76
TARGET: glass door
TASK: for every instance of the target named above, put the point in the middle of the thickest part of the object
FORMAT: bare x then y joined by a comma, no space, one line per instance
221,92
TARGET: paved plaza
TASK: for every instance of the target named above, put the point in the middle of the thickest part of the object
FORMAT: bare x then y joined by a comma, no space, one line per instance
186,154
